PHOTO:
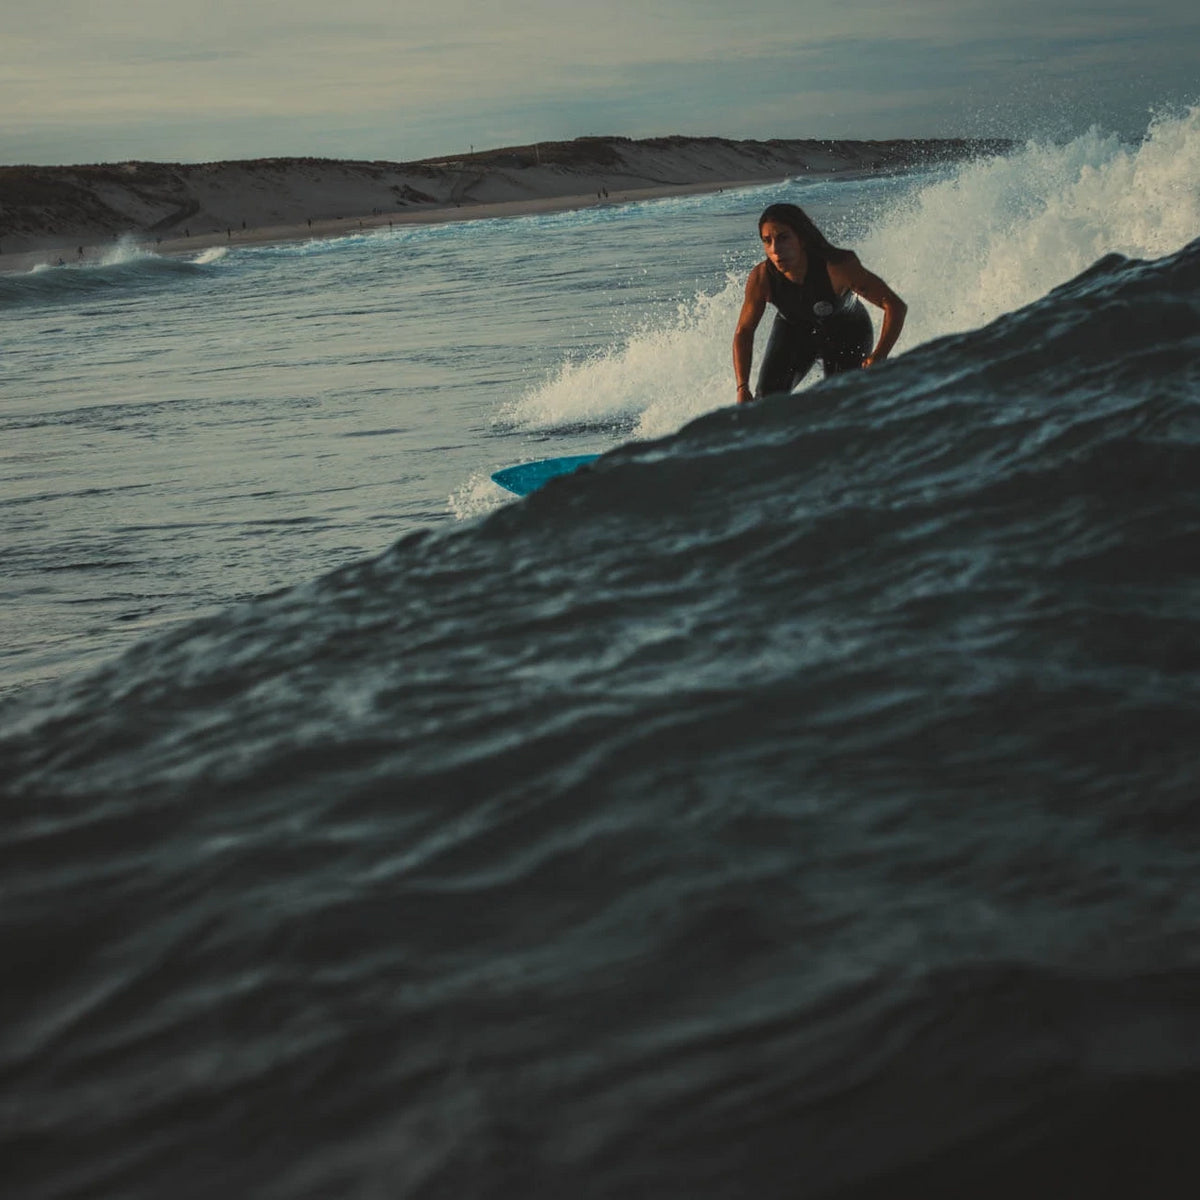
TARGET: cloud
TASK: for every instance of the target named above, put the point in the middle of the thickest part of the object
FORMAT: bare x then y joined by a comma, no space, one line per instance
247,74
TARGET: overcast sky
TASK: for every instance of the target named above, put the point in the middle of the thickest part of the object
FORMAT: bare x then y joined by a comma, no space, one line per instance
108,80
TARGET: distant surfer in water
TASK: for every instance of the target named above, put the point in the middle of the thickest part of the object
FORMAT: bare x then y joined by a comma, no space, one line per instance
814,287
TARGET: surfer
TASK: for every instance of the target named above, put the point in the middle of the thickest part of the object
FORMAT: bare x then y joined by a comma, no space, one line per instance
815,288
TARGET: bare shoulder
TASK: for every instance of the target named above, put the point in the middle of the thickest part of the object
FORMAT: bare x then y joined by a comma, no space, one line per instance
846,271
849,275
756,281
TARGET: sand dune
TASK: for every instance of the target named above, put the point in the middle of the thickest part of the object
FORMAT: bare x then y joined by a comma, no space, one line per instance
77,211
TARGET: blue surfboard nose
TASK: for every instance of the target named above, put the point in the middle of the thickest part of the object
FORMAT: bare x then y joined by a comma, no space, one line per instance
528,477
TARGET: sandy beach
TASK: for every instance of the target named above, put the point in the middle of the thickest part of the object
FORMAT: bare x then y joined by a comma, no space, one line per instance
70,214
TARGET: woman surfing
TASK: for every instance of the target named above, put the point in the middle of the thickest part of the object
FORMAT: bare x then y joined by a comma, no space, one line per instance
815,289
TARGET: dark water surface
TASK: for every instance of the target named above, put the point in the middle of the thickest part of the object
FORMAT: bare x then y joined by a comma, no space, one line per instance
803,804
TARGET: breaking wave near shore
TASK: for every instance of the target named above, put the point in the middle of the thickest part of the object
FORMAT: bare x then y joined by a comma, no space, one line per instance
804,797
125,266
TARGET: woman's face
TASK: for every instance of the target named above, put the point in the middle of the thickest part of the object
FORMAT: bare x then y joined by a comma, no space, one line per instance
781,245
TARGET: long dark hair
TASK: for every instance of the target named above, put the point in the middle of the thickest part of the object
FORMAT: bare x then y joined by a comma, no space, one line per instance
801,224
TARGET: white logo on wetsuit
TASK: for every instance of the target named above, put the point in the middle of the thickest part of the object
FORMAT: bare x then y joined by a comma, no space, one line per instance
822,308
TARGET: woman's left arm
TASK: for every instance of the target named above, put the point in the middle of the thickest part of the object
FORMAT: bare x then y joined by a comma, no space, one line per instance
851,274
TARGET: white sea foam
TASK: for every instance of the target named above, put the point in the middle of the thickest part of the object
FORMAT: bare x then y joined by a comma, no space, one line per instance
478,496
682,362
125,250
1005,231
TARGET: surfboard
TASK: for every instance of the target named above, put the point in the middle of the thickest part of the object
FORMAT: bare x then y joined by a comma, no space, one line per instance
528,477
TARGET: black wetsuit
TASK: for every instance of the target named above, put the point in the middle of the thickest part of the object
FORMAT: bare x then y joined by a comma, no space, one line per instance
812,322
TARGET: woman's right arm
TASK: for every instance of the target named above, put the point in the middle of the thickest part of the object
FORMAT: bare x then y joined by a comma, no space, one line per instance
753,307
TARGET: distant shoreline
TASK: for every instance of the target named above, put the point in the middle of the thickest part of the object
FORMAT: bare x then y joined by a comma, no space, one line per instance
79,213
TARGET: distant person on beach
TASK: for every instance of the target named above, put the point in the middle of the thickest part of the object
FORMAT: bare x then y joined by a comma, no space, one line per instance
815,288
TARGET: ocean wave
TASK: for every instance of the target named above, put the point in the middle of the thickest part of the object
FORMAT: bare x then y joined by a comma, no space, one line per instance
125,267
808,794
1028,420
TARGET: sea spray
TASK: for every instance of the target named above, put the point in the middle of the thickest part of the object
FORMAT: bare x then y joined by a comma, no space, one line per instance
126,249
667,372
986,238
1003,231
